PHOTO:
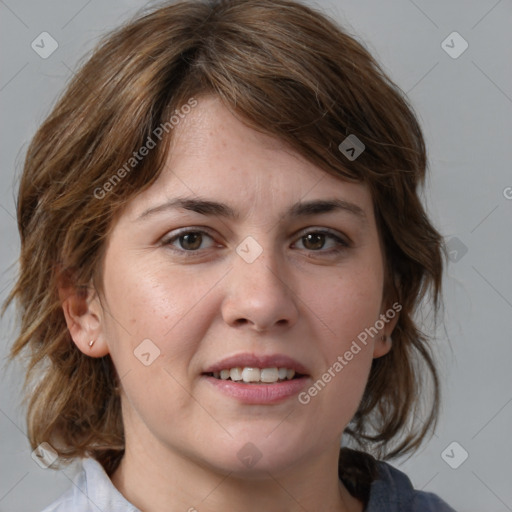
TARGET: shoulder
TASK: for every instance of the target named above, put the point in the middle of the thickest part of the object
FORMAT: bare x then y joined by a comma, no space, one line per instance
71,499
383,488
92,490
393,491
63,504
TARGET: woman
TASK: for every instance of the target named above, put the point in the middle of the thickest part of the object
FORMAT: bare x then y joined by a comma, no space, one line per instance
222,252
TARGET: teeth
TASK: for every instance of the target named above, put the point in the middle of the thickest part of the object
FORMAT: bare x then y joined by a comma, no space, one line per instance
235,373
249,374
269,375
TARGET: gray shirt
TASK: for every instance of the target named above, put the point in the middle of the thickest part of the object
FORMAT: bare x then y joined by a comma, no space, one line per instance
92,491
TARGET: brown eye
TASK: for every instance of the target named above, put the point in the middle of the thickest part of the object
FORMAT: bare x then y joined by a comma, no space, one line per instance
190,241
314,241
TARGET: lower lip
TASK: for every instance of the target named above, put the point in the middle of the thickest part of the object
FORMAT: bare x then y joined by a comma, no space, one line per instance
259,393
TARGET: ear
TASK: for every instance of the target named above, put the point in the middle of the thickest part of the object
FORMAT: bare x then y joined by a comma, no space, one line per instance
388,319
84,313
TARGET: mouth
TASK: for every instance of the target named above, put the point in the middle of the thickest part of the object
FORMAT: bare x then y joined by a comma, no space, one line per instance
257,379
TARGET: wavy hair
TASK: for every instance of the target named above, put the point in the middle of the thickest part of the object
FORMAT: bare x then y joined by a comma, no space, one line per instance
285,70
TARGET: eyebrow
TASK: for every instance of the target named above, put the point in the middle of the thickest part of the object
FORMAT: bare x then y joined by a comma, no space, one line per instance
214,208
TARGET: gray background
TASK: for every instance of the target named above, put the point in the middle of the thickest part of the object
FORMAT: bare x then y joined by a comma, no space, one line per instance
465,107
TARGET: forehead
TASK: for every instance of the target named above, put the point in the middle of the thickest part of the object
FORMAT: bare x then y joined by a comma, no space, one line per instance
215,155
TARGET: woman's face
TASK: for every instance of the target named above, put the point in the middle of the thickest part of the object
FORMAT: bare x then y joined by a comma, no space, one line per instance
248,269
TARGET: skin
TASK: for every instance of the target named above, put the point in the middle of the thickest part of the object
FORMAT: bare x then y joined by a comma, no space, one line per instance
182,435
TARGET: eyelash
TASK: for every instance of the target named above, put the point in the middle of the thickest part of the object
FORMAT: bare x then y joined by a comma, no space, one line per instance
342,245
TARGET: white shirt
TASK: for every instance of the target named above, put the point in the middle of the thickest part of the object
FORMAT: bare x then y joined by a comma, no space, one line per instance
93,491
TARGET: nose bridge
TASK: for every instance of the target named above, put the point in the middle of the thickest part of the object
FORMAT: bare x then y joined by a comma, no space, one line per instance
260,263
259,292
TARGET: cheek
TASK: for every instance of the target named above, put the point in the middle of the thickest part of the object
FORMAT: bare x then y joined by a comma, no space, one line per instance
347,307
348,304
155,302
157,317
154,324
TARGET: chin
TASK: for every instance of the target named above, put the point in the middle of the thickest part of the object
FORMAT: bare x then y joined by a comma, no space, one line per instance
254,457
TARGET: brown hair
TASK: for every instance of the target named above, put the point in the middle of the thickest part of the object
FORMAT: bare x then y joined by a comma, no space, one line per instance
283,69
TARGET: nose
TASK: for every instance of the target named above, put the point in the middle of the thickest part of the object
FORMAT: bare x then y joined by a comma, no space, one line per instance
259,294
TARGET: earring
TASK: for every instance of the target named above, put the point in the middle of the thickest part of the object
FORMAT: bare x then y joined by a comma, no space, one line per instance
383,337
91,343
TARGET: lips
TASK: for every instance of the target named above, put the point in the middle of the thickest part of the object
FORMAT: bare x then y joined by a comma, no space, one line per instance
259,387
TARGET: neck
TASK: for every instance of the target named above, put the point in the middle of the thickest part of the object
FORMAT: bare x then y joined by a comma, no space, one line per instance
161,480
